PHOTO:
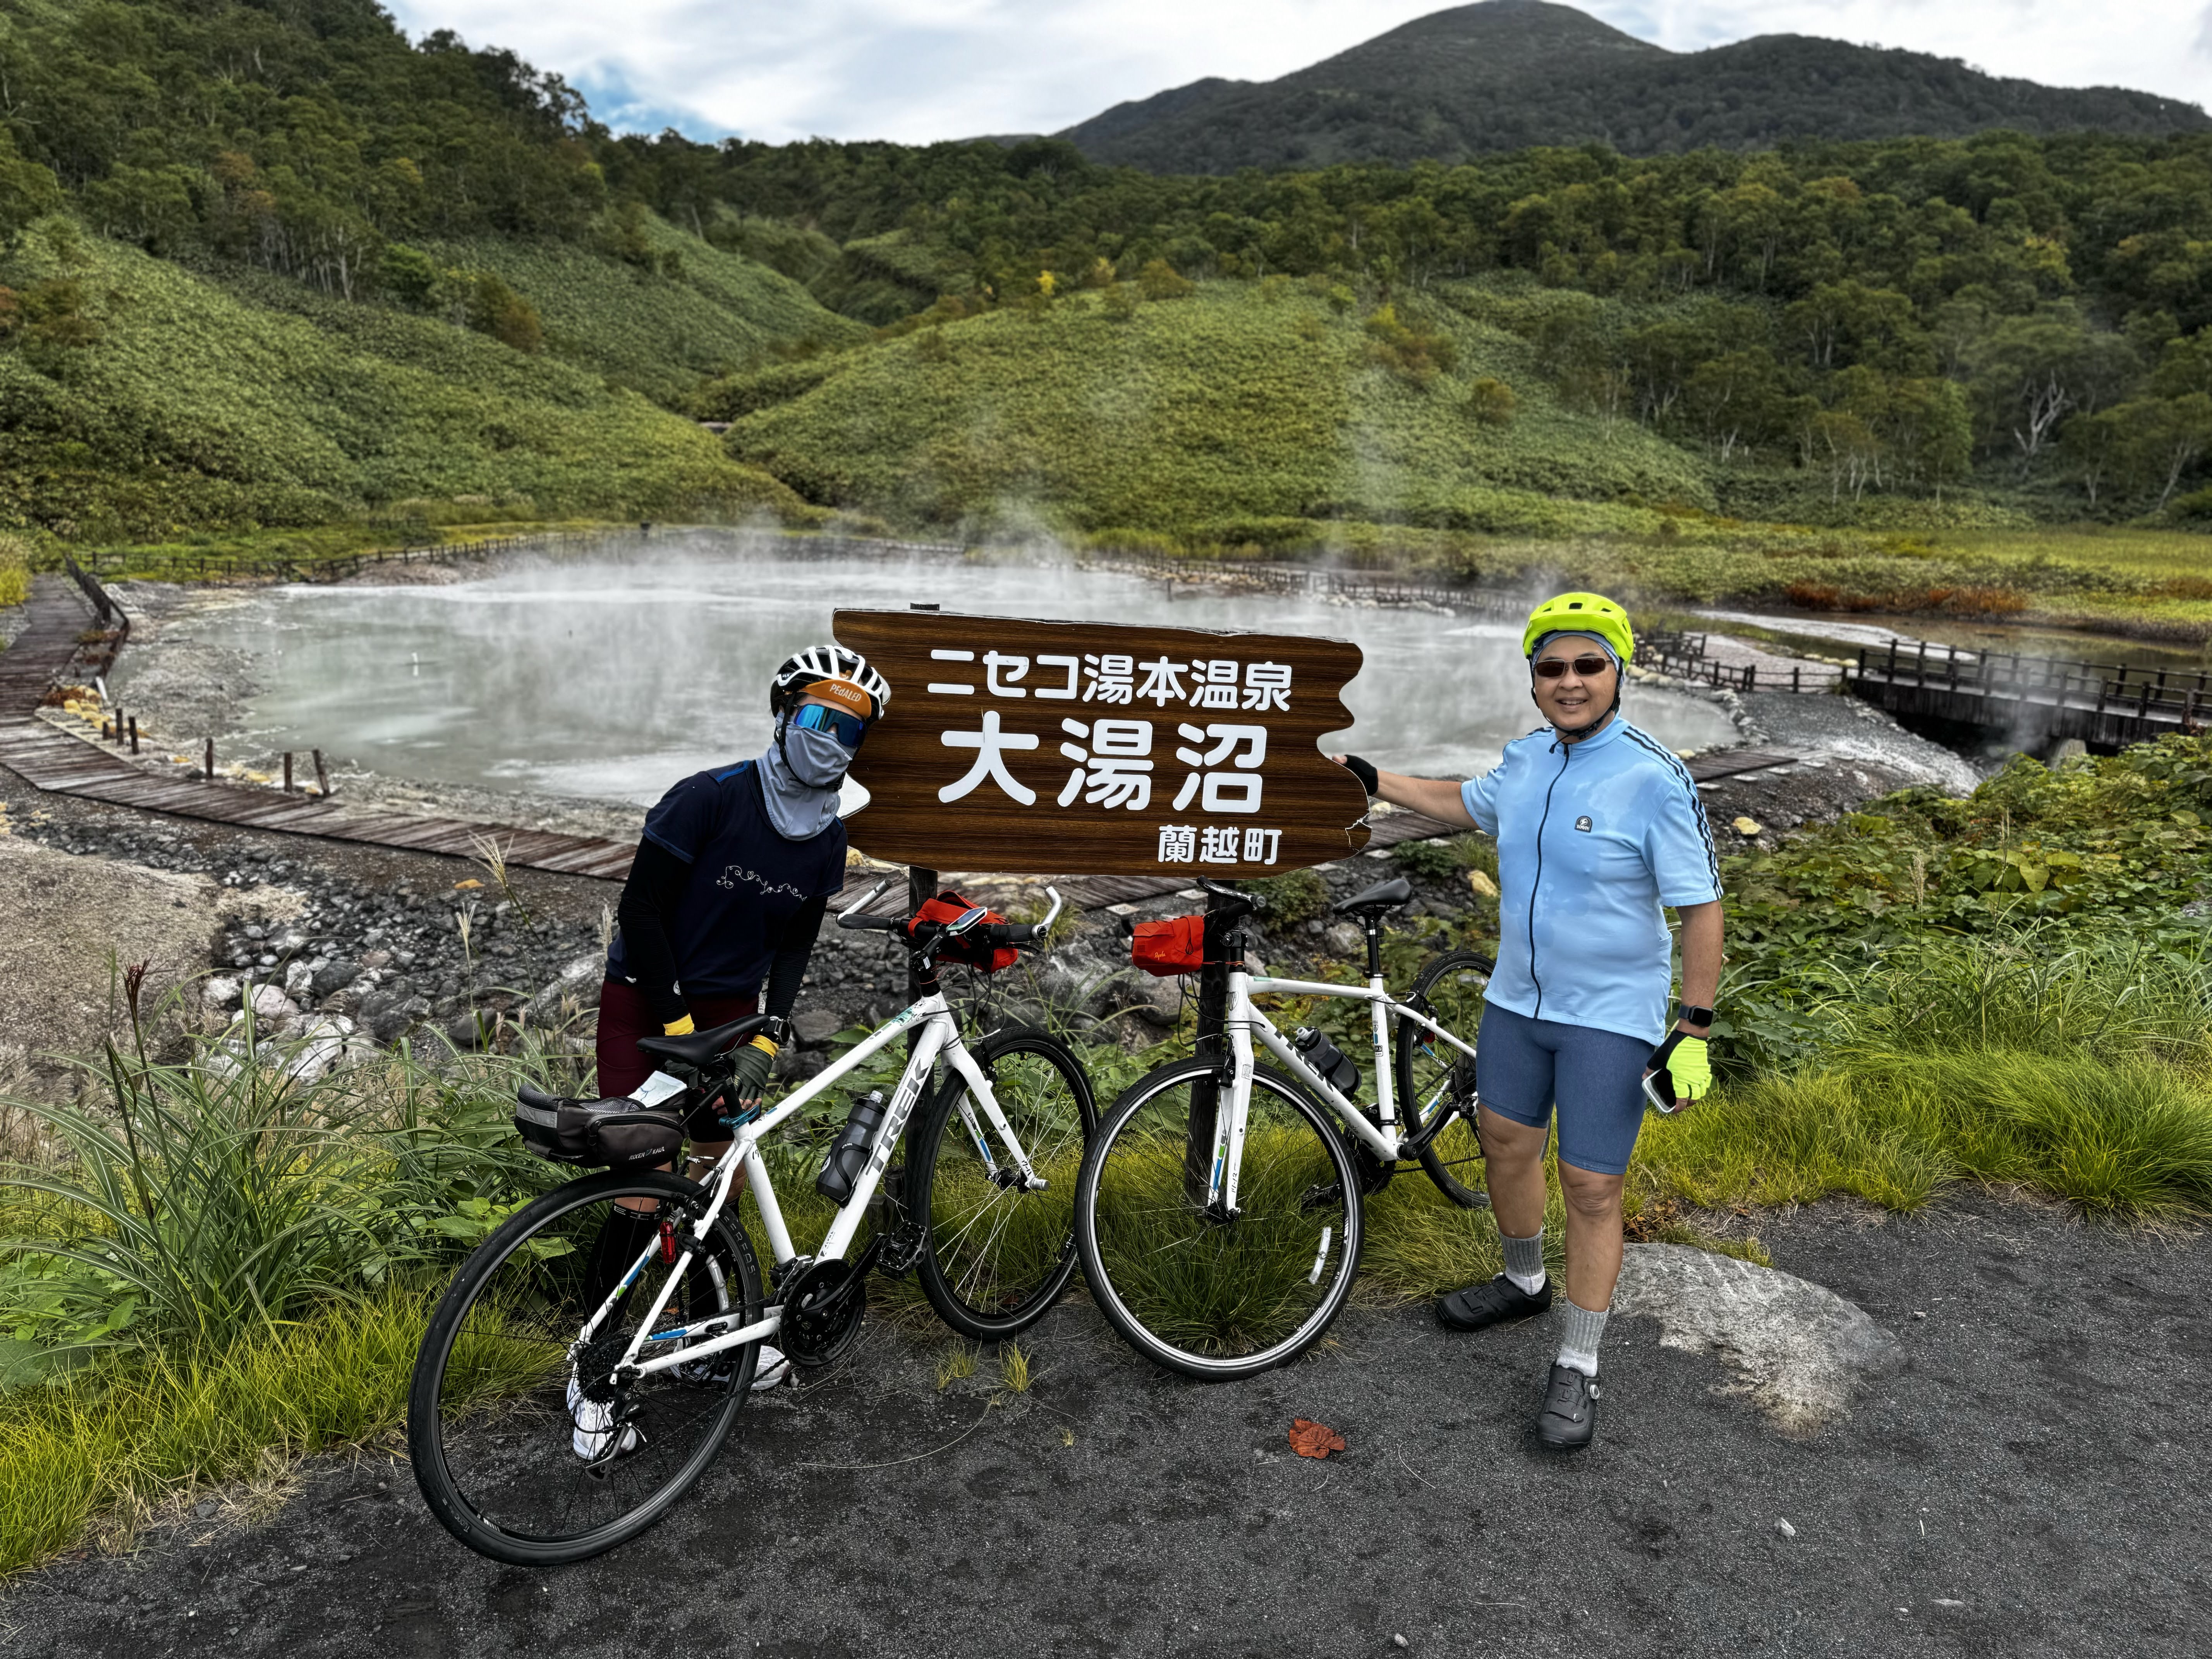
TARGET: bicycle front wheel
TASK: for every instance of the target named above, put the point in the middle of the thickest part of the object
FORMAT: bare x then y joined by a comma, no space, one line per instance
1435,1080
523,1448
1211,1295
998,1251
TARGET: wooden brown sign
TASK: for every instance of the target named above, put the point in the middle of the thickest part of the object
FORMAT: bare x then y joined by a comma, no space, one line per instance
1044,748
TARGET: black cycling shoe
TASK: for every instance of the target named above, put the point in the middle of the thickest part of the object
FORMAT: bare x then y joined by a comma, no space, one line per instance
1568,1421
1479,1306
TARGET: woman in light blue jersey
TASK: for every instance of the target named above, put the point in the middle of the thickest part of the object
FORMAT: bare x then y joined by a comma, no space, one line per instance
1599,830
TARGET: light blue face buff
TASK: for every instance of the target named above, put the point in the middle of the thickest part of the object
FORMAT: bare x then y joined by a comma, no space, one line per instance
800,807
818,759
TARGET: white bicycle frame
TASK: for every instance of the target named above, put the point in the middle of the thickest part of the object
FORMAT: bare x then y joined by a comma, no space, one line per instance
1243,1020
938,1037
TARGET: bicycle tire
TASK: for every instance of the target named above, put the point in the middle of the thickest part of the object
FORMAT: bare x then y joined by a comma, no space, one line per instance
1124,1207
1431,1080
457,1431
994,1285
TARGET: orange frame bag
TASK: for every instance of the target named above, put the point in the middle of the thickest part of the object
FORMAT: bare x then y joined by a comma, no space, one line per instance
1175,946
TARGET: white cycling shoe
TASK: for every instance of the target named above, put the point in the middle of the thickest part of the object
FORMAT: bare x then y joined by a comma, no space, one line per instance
772,1367
594,1420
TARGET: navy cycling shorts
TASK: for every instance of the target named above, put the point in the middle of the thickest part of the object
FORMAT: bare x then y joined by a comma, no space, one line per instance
1522,1067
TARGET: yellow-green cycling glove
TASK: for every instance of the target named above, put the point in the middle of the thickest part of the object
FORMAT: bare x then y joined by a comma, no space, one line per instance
1681,1067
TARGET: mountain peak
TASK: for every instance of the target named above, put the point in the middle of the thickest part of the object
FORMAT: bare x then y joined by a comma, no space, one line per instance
1505,74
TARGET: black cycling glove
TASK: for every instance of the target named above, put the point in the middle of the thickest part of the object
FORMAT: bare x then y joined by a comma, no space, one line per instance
1364,770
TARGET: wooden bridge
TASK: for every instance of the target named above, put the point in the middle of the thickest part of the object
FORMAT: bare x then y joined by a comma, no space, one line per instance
2108,706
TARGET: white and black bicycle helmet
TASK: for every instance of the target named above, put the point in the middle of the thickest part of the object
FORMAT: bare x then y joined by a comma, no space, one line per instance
806,671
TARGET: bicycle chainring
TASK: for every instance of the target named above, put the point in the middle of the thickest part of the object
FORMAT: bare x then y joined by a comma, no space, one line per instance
823,1307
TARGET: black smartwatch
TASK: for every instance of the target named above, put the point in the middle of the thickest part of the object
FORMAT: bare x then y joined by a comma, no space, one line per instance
1685,1015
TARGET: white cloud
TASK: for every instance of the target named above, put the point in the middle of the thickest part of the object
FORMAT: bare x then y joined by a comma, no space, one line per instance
922,69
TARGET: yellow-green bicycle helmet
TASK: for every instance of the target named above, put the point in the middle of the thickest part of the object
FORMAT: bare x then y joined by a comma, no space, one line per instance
1581,613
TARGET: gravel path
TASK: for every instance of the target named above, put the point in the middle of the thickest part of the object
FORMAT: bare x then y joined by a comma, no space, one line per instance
2033,1481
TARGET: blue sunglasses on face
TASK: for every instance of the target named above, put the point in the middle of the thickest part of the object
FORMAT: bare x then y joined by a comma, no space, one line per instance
847,729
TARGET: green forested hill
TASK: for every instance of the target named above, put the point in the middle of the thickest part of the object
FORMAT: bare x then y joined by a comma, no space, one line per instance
161,400
1507,74
1200,415
276,265
267,261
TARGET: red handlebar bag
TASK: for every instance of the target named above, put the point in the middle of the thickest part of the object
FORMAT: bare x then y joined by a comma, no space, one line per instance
1176,945
977,953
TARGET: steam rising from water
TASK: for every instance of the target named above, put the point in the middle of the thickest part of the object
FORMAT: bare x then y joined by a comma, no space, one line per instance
613,675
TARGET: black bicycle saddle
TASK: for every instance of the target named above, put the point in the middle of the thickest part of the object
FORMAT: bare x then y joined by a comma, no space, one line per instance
701,1047
1383,896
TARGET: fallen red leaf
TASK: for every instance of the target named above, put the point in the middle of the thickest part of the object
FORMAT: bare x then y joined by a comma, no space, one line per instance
1312,1439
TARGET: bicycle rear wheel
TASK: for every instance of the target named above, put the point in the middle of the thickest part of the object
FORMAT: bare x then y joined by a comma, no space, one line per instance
1435,1080
524,1449
1209,1296
996,1254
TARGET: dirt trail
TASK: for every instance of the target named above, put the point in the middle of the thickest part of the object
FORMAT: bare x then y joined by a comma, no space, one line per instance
2033,1481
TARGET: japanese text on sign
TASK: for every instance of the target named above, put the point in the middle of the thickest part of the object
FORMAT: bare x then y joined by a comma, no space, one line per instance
1019,732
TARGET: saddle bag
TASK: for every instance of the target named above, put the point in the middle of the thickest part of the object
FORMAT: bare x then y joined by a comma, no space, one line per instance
615,1134
1176,945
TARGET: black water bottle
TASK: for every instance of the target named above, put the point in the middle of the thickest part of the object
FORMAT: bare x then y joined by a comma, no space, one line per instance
850,1155
1329,1062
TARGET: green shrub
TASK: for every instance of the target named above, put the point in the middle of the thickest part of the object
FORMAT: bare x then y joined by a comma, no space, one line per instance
409,276
1490,402
1158,280
15,570
496,309
1295,896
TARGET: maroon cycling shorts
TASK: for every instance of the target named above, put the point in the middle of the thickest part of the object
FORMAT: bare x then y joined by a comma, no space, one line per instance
625,1016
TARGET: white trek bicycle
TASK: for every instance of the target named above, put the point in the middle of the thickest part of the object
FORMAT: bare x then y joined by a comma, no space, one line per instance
1218,1214
589,1359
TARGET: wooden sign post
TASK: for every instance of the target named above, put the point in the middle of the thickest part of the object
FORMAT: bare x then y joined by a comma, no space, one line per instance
1044,748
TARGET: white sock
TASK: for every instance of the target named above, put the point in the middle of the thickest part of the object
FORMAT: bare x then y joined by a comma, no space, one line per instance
1524,1261
1578,1346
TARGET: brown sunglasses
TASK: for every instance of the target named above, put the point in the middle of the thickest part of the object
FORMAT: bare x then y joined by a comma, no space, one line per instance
1550,668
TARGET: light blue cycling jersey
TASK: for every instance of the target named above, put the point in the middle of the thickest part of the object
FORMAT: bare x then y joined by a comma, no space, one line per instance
1593,839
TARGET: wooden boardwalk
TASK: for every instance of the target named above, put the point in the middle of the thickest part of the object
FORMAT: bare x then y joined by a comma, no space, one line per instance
59,763
2108,706
54,760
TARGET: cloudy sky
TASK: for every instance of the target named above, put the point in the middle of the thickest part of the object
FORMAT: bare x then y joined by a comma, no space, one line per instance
922,69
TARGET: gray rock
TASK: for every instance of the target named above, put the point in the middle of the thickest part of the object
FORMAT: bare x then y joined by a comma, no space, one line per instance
299,981
1344,939
269,1002
814,1027
336,974
577,985
221,993
1802,1350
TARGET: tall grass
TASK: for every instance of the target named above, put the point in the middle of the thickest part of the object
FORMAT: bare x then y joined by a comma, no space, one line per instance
204,1200
2080,1065
122,1433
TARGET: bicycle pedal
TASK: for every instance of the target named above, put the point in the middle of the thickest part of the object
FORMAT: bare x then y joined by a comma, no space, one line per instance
901,1251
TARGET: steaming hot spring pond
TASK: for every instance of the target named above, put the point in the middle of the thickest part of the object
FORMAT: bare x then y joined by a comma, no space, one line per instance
612,674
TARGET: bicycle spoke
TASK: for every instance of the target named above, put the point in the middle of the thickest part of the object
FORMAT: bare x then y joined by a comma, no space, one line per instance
1202,1290
998,1251
525,1444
